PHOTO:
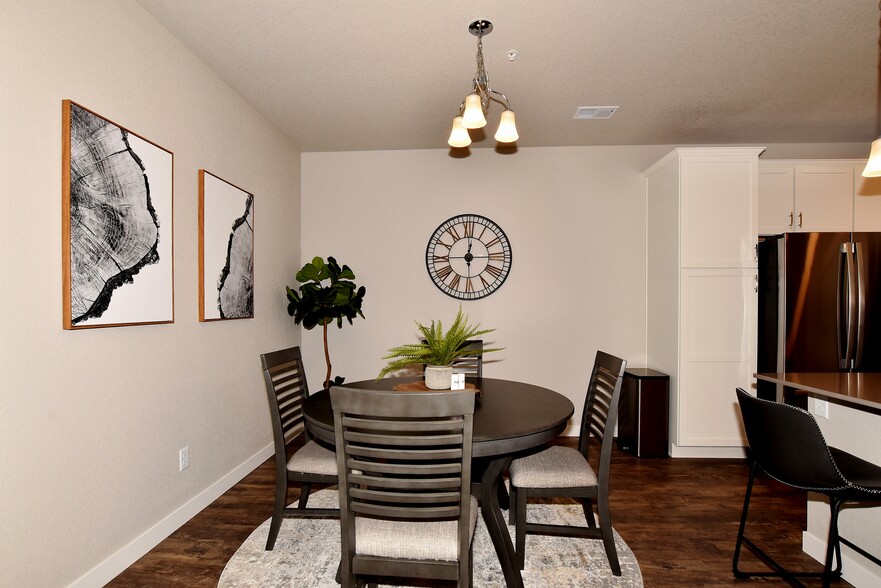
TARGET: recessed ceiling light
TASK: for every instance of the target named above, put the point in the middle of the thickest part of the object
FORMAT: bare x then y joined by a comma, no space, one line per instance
588,112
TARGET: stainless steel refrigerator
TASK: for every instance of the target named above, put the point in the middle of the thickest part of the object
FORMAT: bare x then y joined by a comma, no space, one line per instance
819,304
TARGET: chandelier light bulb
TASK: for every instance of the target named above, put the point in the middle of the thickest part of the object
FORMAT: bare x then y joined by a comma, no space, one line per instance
473,117
507,132
873,166
459,136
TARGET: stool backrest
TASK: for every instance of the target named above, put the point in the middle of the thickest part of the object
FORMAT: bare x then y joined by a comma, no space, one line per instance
786,442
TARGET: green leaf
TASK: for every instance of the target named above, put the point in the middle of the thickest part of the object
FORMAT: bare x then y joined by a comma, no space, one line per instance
324,297
437,347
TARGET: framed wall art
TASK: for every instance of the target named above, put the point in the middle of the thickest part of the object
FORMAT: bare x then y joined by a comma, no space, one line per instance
117,224
226,250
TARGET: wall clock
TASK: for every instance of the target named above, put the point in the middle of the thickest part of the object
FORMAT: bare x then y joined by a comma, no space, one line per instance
468,257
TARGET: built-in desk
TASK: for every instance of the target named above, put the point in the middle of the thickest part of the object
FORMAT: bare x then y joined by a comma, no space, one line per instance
861,391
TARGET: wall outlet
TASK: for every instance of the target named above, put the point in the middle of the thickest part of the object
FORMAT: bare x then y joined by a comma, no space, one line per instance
821,408
183,457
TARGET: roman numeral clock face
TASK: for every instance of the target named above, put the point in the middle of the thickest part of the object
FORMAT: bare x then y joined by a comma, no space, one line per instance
468,257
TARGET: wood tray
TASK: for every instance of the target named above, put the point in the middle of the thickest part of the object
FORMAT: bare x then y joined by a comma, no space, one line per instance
419,386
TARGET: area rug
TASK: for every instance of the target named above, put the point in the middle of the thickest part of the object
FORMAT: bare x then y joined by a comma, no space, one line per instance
307,553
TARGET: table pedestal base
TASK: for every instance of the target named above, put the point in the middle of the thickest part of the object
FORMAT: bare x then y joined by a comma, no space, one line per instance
490,507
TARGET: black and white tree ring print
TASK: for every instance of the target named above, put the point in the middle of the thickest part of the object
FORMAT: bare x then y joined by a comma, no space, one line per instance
117,224
226,245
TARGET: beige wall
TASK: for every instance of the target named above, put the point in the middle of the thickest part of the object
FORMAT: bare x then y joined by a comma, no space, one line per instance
91,421
575,217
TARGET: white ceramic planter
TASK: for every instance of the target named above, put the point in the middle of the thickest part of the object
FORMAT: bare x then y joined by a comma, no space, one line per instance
438,377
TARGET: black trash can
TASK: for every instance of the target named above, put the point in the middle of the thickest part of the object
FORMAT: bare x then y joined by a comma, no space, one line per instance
643,412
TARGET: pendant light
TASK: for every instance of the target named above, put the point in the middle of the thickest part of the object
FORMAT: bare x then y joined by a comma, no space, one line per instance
473,109
873,166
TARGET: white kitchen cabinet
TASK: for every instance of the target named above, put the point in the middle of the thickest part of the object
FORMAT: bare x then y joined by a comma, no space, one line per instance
808,195
776,198
702,228
866,201
717,353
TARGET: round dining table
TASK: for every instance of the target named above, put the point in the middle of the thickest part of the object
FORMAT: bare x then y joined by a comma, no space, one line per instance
509,418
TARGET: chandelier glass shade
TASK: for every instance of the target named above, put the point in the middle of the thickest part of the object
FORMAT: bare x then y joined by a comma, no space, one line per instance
473,109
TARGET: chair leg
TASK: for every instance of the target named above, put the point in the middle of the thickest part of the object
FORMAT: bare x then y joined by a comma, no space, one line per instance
606,531
587,507
520,530
778,570
281,494
512,506
466,569
739,543
305,489
833,547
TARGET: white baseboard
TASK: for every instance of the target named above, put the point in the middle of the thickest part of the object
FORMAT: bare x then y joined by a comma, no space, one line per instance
857,570
710,452
111,567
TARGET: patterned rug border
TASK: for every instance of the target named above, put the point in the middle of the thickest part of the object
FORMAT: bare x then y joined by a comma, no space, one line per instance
307,554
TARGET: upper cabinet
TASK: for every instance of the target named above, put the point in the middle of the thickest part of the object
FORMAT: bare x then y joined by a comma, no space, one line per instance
866,202
817,195
715,192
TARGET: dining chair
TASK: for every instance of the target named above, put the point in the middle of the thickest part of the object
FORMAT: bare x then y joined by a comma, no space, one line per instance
471,364
404,462
786,443
313,463
559,471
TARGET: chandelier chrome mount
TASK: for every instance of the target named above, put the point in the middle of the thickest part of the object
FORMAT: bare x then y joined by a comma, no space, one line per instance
475,106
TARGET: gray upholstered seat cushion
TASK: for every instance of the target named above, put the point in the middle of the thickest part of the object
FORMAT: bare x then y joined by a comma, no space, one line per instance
437,540
555,467
313,459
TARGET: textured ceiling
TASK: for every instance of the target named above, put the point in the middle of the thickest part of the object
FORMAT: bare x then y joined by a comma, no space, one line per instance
390,74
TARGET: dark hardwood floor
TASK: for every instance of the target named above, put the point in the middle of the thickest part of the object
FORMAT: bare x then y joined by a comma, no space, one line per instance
679,516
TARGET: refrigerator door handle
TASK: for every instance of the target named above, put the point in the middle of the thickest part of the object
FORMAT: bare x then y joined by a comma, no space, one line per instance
860,280
846,306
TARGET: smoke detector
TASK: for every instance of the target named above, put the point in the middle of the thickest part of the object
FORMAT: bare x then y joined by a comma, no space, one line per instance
588,112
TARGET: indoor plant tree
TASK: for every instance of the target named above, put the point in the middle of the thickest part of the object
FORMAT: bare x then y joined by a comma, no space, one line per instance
317,303
438,349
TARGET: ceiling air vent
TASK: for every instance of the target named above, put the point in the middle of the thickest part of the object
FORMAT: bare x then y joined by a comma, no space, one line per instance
586,112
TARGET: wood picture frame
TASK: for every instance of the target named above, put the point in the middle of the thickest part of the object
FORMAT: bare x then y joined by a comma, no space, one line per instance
226,250
117,224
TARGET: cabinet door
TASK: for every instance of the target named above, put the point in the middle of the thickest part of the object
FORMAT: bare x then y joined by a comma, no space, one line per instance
866,202
717,354
823,198
776,198
719,212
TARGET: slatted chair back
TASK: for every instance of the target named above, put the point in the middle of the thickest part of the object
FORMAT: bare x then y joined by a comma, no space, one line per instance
601,408
472,364
287,389
403,457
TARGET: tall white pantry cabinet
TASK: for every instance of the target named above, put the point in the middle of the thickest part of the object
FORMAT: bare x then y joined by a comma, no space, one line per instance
702,230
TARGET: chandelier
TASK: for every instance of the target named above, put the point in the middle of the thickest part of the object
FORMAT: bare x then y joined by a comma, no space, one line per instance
474,107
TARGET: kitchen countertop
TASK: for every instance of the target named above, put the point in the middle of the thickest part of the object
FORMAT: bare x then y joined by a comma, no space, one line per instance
861,390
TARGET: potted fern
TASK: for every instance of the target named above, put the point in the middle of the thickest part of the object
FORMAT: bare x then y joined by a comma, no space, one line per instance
437,350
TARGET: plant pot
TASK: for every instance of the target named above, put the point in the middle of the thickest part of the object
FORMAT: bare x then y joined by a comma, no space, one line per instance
438,377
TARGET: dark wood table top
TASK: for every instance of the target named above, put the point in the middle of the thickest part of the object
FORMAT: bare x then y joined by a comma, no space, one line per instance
508,416
861,390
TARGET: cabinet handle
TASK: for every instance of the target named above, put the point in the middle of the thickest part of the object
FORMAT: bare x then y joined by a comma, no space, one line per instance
790,220
756,282
799,220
